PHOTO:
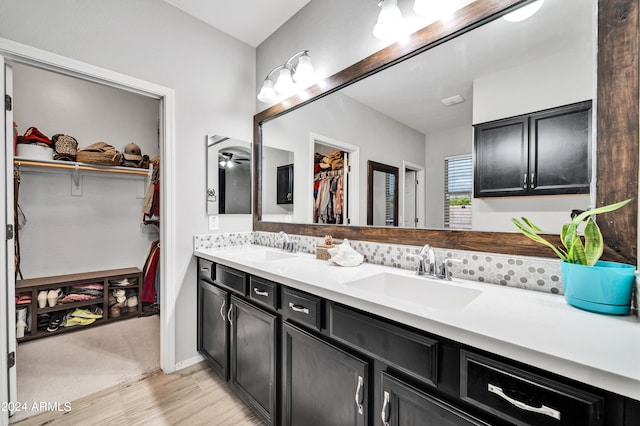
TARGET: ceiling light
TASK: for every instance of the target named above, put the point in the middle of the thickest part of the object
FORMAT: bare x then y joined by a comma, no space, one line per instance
222,163
524,12
292,77
390,25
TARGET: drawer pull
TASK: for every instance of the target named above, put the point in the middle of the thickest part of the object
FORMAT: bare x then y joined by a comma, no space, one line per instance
203,269
229,314
260,292
547,411
358,398
222,310
298,308
384,415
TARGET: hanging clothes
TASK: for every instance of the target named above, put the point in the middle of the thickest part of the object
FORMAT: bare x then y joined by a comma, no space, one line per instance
328,197
151,204
151,272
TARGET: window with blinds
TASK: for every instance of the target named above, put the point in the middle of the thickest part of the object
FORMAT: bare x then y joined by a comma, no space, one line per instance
458,185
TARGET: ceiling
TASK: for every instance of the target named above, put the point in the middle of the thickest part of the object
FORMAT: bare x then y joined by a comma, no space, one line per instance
231,16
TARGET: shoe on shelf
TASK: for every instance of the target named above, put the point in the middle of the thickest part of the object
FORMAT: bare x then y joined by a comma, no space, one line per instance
87,312
21,326
53,296
71,320
43,322
42,299
56,321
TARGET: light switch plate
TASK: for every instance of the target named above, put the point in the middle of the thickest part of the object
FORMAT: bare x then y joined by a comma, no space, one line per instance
213,222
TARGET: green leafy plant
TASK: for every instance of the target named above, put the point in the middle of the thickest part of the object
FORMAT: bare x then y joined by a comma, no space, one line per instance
585,249
460,201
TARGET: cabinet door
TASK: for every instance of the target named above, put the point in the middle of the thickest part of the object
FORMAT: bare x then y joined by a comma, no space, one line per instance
560,157
213,330
501,157
323,385
403,405
253,357
284,184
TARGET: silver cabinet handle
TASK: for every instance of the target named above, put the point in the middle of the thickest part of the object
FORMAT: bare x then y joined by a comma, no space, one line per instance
229,314
532,180
299,308
358,398
203,269
384,415
547,411
222,309
524,181
261,292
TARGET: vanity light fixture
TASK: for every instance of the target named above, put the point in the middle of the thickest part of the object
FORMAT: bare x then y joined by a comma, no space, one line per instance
290,78
524,12
390,25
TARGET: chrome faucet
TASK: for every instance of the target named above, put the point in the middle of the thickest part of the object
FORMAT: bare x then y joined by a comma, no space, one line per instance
287,245
425,268
427,264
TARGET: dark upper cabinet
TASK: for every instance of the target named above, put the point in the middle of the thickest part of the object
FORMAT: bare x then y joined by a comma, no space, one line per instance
284,184
542,153
323,385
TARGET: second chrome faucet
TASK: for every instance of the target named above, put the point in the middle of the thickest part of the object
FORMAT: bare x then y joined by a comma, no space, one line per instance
428,266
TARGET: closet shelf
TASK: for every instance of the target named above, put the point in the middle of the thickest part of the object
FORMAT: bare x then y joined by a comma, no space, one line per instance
75,166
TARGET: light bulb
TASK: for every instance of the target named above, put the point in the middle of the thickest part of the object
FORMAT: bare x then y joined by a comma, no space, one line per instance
284,85
267,93
524,12
390,24
230,164
304,71
222,163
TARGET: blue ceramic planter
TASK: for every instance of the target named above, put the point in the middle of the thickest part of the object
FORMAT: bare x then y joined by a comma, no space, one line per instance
605,287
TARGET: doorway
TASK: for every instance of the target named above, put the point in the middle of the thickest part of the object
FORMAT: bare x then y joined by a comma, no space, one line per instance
412,204
15,53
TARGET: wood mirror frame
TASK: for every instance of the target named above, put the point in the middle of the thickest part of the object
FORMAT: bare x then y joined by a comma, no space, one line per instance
373,166
617,122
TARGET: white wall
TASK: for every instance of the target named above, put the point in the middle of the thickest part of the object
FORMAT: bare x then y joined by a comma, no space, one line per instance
64,233
558,80
213,76
340,117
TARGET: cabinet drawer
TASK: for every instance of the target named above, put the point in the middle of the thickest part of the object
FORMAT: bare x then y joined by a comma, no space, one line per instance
412,353
524,398
231,279
302,307
263,292
205,270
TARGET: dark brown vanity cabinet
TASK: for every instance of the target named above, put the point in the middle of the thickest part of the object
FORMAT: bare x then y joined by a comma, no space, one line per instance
238,339
542,153
284,184
402,404
322,384
253,339
213,331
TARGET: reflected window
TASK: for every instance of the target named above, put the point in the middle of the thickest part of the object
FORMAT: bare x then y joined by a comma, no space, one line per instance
458,184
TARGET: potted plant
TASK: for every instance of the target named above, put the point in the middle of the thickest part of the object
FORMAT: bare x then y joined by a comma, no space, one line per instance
588,282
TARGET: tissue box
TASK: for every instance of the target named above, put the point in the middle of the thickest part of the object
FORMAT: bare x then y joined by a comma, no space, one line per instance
322,251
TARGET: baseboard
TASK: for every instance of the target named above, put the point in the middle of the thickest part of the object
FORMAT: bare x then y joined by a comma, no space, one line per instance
189,362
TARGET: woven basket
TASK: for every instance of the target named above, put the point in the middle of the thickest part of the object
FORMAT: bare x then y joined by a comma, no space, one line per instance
322,251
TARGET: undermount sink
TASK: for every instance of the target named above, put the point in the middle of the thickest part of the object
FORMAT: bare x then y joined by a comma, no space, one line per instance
418,290
269,255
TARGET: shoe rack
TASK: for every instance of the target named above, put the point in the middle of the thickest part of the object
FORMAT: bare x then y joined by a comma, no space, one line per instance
34,286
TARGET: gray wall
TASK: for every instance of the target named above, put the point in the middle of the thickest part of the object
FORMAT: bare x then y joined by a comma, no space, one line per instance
213,76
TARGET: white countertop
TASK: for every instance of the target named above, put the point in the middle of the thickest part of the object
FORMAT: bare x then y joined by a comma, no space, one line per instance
535,328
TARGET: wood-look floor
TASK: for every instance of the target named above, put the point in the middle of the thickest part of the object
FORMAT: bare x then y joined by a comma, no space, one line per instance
193,396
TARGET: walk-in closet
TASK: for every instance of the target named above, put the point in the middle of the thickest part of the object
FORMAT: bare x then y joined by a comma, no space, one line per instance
87,216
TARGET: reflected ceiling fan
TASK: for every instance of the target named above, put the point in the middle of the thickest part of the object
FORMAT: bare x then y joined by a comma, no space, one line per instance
227,159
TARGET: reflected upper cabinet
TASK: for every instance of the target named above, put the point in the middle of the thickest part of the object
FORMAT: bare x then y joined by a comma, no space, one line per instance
543,153
284,184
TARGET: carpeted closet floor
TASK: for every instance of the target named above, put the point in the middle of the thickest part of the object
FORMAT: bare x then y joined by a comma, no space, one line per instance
69,366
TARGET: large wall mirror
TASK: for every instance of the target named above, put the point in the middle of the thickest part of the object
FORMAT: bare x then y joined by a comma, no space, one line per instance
228,175
390,108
